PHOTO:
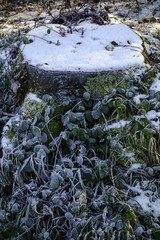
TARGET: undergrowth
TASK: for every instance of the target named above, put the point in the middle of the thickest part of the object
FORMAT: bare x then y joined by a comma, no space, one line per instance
67,171
78,183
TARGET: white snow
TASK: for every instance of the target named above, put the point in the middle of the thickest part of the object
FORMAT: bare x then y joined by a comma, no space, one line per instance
153,117
137,99
148,206
78,51
120,124
156,84
34,97
6,142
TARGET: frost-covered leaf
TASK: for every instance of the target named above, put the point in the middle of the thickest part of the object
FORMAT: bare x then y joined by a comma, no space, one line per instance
96,114
79,160
41,154
113,143
2,215
48,110
47,118
86,96
68,162
80,132
119,224
38,147
65,119
36,131
46,234
24,125
105,109
46,193
46,97
15,208
54,183
43,138
68,172
89,116
79,116
138,232
19,155
74,233
119,148
68,215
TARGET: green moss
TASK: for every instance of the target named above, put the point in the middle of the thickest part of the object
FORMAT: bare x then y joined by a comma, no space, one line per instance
103,84
9,134
30,107
55,127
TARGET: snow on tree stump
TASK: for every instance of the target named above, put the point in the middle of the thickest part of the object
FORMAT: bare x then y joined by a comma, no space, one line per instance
61,59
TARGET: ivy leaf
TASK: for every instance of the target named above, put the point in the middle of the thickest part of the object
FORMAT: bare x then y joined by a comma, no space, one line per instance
74,233
24,125
89,116
47,118
119,148
68,162
25,40
48,31
36,131
68,215
65,119
86,96
41,154
96,114
80,132
19,155
38,147
47,111
54,183
79,160
121,109
105,109
68,172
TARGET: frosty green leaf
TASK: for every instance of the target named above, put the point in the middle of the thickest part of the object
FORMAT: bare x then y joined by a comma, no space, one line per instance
36,131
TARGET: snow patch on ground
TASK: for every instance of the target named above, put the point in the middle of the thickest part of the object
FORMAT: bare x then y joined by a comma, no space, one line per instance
153,117
148,205
33,97
90,48
156,84
137,99
122,123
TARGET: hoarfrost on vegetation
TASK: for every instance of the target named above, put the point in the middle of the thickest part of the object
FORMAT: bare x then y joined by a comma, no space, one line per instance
137,99
148,200
156,84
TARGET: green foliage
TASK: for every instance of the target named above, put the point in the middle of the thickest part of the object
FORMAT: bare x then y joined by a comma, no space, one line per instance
63,169
103,84
67,173
13,76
